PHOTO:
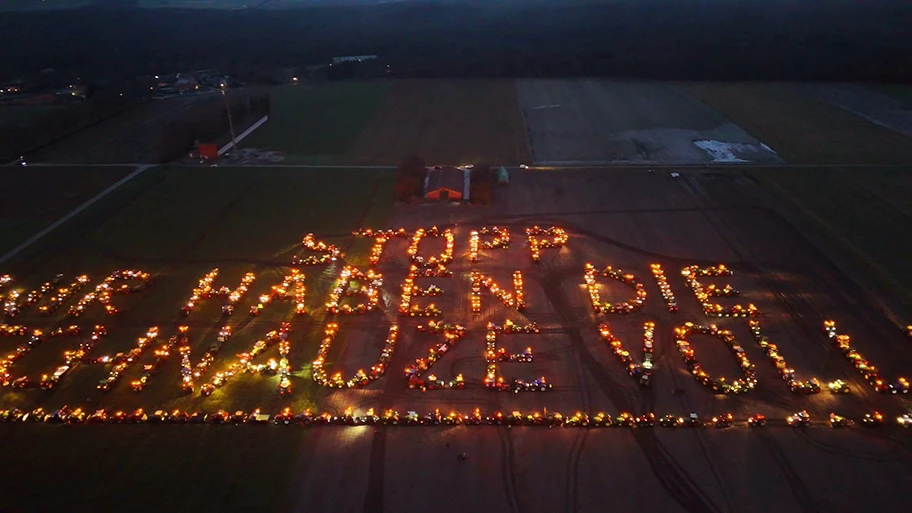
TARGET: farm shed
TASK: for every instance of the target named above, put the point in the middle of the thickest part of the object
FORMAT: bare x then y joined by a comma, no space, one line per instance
447,183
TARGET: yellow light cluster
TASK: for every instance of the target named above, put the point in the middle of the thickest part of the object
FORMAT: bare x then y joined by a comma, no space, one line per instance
292,288
409,290
244,361
361,378
36,338
122,361
284,369
15,302
327,252
703,294
640,372
381,237
452,333
202,290
866,368
501,240
188,372
433,261
558,237
161,355
741,385
515,300
811,386
624,307
390,417
104,290
664,287
342,287
493,355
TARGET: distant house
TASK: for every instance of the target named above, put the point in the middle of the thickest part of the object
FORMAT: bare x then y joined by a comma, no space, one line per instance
353,58
447,182
186,84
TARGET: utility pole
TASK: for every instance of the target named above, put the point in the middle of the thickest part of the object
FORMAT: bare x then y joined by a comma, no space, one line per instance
228,109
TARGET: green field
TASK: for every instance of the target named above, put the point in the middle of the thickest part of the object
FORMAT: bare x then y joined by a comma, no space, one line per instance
900,92
179,223
802,129
19,116
316,123
34,197
865,211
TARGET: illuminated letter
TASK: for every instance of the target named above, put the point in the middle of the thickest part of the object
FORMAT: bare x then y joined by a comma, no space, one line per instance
353,282
452,333
122,361
360,378
627,279
244,362
325,254
556,239
494,355
501,239
444,258
380,239
292,288
642,373
868,370
15,302
206,290
659,274
737,386
515,300
107,288
705,293
811,386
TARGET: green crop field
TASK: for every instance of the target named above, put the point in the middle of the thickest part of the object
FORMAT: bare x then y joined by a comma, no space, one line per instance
316,123
866,212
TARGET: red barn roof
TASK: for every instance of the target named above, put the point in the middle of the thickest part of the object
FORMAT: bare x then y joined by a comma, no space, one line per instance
447,177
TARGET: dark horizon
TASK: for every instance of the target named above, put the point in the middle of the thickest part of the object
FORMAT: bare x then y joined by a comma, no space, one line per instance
699,39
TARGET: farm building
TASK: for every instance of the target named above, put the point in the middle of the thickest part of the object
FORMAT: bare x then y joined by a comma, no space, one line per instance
447,183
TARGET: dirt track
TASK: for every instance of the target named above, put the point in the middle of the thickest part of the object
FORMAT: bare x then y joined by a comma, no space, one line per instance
447,122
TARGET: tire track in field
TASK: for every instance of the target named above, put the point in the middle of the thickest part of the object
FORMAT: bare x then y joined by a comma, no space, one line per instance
671,476
800,490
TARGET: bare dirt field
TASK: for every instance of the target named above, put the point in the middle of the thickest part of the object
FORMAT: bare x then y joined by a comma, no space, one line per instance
616,122
802,128
132,137
445,121
877,108
627,219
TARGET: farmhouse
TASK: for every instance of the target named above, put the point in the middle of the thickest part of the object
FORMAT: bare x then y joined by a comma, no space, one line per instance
446,182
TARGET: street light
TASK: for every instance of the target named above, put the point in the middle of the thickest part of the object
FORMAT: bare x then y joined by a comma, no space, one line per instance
224,88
